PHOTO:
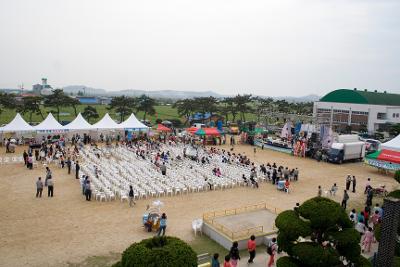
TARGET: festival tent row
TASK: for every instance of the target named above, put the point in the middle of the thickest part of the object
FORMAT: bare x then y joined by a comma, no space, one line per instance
388,157
50,124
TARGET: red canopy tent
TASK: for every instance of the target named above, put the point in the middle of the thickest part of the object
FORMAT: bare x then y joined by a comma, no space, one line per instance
162,128
211,131
192,130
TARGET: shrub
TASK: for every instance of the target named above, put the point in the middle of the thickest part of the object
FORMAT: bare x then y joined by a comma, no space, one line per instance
159,251
286,262
310,254
397,176
396,261
363,262
395,194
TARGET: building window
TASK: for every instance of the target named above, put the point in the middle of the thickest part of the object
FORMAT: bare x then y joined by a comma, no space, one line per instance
397,115
381,116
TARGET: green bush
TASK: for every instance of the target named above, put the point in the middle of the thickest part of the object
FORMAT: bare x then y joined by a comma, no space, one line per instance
311,254
347,243
293,226
395,194
117,264
396,261
363,262
159,251
397,176
286,262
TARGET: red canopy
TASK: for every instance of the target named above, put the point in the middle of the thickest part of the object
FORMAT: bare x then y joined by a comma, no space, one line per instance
162,128
192,130
211,131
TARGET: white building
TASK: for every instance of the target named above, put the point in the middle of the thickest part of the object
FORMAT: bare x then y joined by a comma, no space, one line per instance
346,109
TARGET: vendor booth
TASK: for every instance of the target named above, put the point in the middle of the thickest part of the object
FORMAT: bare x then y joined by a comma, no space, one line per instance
388,157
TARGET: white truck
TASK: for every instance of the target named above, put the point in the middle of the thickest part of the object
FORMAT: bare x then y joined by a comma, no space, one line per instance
347,147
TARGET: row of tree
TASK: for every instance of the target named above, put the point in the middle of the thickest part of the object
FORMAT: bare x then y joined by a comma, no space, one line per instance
237,107
33,105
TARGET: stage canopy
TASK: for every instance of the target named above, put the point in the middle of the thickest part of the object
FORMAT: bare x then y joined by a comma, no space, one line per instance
208,131
162,128
79,123
388,157
49,124
106,123
18,124
133,123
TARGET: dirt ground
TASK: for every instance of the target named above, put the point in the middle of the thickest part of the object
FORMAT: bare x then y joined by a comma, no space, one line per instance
67,229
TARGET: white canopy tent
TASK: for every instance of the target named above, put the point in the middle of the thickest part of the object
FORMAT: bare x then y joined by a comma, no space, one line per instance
393,144
132,123
79,123
49,124
106,123
18,124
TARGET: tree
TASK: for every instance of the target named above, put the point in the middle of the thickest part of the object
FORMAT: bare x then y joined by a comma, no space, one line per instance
72,102
7,101
185,108
146,104
328,233
394,129
90,113
262,106
205,105
31,105
57,100
242,105
158,251
123,105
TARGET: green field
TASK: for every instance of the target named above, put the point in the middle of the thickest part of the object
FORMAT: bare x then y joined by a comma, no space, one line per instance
67,114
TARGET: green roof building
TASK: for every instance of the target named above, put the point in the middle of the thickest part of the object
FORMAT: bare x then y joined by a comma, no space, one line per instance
358,110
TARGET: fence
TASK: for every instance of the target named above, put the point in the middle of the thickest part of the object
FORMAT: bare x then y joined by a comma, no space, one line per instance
209,218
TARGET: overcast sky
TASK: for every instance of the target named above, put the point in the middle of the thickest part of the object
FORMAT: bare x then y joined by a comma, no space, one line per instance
277,48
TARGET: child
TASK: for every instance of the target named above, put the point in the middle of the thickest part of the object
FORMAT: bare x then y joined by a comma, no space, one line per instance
227,262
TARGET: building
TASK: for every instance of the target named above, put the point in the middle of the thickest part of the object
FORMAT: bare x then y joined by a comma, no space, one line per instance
357,110
42,89
88,100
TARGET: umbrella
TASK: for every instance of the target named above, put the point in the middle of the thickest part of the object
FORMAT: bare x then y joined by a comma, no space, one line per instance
162,128
200,132
192,130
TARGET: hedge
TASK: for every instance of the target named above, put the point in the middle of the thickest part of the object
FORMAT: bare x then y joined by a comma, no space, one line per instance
395,194
158,251
397,176
310,254
286,262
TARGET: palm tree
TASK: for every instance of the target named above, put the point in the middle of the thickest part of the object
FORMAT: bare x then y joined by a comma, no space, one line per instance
146,104
123,105
90,112
31,105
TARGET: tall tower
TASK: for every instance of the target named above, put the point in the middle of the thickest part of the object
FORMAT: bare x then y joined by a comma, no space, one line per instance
44,82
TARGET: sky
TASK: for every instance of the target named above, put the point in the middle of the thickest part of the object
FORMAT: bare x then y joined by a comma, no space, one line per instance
271,48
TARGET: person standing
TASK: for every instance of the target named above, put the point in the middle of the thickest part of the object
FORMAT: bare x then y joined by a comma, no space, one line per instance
88,191
214,261
163,224
345,198
50,187
30,161
319,191
348,182
77,168
271,250
234,254
25,155
251,247
39,187
163,169
354,183
370,195
367,240
131,197
296,174
227,262
69,163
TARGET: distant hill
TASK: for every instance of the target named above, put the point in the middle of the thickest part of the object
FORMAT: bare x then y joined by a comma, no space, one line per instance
171,94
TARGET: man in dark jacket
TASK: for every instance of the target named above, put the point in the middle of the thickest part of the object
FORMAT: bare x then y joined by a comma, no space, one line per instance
77,168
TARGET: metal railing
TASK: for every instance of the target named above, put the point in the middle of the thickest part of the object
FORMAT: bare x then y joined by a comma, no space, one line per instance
209,218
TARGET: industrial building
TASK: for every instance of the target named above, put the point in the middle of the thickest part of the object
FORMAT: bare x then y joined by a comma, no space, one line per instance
358,110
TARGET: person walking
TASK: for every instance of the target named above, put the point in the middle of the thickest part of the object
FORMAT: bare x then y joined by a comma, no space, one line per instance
25,155
69,163
367,240
370,195
77,168
234,254
131,197
227,262
50,187
163,224
271,250
354,180
251,247
348,182
214,260
88,191
39,187
163,169
319,191
345,198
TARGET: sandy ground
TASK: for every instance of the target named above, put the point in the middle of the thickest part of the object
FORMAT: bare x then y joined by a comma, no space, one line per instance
66,228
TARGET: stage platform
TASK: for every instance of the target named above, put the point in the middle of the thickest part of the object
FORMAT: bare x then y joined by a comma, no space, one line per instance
239,224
